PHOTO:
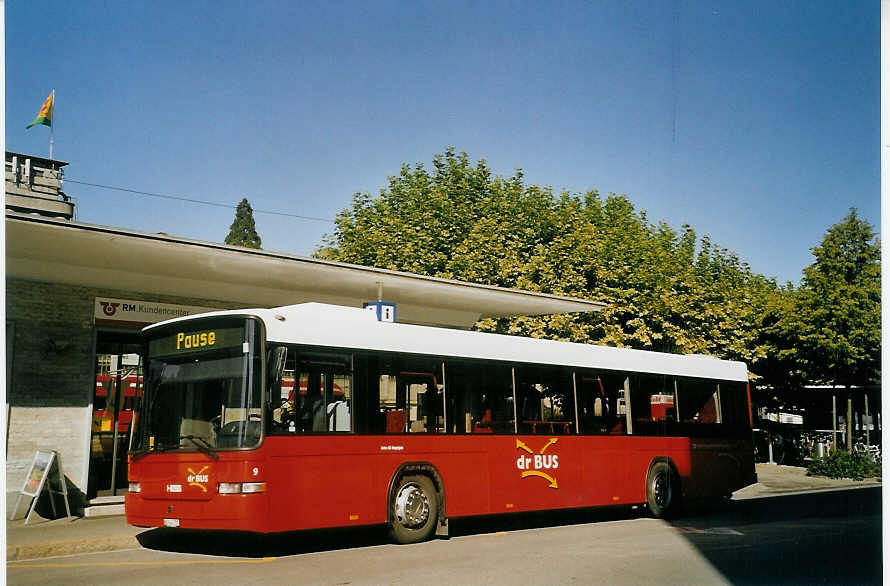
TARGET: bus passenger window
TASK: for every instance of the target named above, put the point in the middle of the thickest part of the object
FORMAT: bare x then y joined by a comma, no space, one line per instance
601,409
411,395
546,400
734,403
338,411
311,414
394,414
314,395
480,396
698,401
652,404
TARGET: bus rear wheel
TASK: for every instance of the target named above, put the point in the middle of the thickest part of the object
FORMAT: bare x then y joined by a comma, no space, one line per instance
662,490
415,510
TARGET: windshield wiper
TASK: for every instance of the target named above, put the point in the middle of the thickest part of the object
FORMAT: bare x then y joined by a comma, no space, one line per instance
158,447
202,444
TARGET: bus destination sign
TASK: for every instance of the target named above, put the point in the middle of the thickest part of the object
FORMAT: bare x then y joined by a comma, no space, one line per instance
196,341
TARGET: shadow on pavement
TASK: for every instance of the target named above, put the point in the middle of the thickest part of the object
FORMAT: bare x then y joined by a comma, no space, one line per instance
538,520
257,545
814,538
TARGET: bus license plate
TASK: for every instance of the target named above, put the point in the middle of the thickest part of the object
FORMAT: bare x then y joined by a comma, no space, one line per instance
171,522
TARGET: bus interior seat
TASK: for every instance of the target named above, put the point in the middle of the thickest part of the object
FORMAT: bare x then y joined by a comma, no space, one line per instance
484,425
338,416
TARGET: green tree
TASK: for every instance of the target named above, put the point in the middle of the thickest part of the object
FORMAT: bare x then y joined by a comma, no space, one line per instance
782,364
665,290
828,331
839,305
243,229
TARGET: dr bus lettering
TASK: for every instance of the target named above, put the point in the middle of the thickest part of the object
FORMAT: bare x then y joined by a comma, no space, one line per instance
534,464
538,462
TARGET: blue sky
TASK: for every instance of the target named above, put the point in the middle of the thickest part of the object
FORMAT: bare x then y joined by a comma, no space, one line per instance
755,122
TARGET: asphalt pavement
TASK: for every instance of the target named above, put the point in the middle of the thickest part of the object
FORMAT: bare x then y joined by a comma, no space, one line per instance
47,538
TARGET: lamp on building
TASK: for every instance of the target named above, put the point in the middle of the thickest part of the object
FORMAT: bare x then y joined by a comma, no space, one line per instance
57,346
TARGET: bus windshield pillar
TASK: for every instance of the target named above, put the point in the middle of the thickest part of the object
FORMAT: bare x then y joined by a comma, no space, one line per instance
515,414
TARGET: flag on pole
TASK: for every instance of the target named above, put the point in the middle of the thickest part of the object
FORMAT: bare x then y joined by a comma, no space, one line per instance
45,116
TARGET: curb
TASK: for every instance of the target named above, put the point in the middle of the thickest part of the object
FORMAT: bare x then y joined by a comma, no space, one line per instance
797,491
31,551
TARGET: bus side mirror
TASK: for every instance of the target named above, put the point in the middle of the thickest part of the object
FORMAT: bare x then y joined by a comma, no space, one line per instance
275,360
275,364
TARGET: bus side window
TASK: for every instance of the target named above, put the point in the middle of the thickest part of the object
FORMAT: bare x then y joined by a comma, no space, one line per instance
339,411
394,415
410,395
652,404
480,397
698,401
600,403
313,395
546,400
311,416
734,403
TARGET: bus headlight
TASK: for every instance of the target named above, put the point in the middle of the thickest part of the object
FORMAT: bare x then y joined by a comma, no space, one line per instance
134,487
241,487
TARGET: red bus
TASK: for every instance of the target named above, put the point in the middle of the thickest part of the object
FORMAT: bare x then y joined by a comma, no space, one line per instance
409,426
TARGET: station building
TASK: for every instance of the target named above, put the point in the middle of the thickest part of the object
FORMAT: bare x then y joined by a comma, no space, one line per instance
77,295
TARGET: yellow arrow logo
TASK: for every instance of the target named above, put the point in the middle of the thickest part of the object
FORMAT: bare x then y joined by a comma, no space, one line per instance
552,480
552,441
522,446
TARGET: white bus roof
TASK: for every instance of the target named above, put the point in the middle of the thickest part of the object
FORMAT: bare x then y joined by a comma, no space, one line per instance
334,326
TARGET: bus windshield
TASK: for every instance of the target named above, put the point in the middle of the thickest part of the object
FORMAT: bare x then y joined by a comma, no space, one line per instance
202,387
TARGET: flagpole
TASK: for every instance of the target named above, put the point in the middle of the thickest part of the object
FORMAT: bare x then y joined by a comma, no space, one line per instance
52,124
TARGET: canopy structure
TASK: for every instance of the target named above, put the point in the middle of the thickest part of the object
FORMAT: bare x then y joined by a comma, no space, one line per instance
51,250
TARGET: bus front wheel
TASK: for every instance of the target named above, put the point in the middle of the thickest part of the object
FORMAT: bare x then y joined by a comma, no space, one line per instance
414,508
662,490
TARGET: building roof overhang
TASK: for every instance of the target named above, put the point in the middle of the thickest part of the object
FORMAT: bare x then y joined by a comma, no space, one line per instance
45,249
52,163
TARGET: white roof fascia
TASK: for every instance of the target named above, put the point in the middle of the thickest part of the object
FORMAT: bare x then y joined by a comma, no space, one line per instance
43,249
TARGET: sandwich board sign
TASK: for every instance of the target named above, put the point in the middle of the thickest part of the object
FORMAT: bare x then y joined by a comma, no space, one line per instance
45,473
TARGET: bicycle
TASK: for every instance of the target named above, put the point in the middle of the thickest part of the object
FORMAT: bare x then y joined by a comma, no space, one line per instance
873,452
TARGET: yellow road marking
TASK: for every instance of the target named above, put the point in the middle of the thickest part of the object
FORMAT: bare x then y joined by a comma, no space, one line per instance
112,564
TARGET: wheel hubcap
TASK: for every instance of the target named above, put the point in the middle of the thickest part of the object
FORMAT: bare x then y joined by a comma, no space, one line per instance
662,490
412,506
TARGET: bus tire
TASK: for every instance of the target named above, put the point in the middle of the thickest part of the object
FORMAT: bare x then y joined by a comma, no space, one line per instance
414,507
662,490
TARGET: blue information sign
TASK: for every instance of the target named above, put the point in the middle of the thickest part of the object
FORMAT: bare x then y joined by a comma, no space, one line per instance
384,310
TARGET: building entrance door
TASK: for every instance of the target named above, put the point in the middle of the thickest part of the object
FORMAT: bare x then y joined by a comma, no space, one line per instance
117,392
